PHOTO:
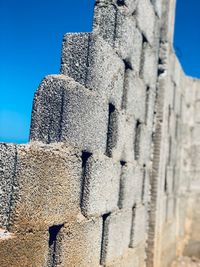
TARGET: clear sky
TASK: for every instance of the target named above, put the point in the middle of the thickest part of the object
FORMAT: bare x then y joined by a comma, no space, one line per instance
31,34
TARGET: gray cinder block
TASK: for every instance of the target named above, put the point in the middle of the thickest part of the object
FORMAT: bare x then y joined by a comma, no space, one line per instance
47,186
7,173
68,112
46,122
145,17
101,71
135,96
145,145
116,145
128,154
104,23
149,65
131,184
123,35
80,243
117,227
137,51
101,186
139,226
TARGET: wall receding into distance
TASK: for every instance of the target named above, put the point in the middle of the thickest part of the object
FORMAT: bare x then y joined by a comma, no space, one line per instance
110,176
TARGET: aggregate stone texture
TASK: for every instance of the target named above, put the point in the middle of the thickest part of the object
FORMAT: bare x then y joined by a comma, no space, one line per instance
110,176
46,186
101,70
146,18
80,243
7,169
77,108
101,186
22,250
117,229
139,225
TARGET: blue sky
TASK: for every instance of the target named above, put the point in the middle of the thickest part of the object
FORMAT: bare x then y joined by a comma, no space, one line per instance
30,47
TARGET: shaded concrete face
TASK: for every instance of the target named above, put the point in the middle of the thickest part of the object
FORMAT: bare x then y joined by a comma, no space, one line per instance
110,176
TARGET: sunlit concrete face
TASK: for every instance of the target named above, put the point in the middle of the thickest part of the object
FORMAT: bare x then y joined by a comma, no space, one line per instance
110,175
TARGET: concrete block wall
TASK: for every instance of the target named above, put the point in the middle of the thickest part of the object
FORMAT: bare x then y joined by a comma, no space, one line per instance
106,178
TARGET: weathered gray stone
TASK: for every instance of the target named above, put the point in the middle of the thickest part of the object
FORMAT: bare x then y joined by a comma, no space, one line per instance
117,227
101,186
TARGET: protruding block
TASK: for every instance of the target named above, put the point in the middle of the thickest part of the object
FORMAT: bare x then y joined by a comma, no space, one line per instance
101,186
65,111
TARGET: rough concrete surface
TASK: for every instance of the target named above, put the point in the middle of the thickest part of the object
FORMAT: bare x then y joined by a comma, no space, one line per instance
111,174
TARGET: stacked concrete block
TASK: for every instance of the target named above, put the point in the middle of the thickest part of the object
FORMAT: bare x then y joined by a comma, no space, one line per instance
116,239
101,186
131,185
133,258
122,35
21,250
79,243
158,7
117,151
101,71
7,173
67,125
139,226
46,177
149,65
145,17
135,96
